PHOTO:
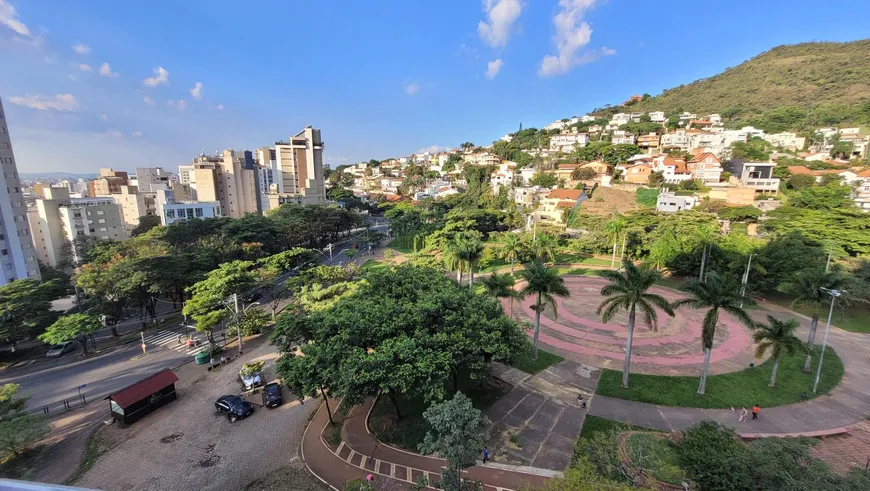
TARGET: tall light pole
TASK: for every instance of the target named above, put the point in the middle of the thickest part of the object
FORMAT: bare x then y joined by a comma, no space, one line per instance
238,317
745,280
834,294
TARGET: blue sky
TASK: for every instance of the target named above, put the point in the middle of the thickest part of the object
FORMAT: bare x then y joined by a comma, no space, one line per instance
107,83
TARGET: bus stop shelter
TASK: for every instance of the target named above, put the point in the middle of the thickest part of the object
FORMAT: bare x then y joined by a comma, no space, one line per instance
135,401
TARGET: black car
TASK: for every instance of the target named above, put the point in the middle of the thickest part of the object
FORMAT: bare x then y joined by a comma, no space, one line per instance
272,395
253,296
234,407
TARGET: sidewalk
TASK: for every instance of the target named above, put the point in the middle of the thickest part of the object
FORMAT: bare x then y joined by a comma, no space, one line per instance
847,404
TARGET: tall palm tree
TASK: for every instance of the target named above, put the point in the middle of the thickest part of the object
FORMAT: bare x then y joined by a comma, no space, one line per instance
778,337
470,252
500,286
452,259
545,246
716,294
511,248
628,290
706,236
613,228
807,286
546,284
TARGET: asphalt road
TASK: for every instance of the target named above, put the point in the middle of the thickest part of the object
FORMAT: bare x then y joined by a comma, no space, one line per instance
51,381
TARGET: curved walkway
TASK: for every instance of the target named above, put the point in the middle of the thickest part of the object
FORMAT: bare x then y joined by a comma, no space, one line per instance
847,404
360,454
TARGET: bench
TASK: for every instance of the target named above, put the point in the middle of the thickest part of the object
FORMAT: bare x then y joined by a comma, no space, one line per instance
809,434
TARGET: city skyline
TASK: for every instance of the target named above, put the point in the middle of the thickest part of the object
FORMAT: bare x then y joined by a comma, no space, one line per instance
94,80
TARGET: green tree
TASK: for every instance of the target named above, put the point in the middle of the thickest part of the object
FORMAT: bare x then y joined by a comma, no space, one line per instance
455,434
801,181
777,337
211,300
146,223
629,291
511,248
754,150
18,430
72,327
452,257
545,246
544,179
500,286
308,373
715,294
252,321
24,308
583,174
806,285
546,284
466,146
582,476
830,197
656,179
613,229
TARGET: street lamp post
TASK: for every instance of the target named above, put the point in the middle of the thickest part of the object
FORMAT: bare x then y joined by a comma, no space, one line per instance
745,280
834,294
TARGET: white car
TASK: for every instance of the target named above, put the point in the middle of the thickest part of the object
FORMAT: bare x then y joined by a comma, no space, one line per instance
58,350
251,380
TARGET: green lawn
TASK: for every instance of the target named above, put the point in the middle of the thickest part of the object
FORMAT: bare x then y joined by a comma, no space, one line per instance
371,265
597,424
745,388
409,431
853,319
525,362
656,455
332,433
399,244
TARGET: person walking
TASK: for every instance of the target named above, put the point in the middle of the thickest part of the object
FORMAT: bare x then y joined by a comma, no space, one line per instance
743,414
581,402
485,455
755,411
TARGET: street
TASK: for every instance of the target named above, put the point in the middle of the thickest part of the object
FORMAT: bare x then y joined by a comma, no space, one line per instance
47,382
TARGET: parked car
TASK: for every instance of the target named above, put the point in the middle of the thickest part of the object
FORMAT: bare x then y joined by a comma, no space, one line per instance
250,380
58,350
252,296
272,395
234,407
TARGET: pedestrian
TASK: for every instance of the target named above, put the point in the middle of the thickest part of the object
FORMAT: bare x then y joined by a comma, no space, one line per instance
583,405
755,411
485,455
743,414
370,478
179,339
581,402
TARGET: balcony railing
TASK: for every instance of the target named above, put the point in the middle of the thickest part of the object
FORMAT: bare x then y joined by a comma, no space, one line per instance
762,184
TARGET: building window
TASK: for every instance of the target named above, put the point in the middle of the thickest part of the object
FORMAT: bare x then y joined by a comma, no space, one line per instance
104,229
199,212
5,252
101,220
190,213
170,213
101,212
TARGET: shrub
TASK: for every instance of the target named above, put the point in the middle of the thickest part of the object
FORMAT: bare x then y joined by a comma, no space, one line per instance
647,197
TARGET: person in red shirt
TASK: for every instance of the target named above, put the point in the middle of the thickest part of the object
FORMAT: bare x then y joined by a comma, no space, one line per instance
755,411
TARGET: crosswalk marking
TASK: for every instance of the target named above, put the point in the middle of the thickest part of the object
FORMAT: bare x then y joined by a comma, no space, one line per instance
170,340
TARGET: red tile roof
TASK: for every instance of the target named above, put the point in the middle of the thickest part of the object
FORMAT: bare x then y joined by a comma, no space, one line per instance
864,173
132,394
702,156
566,204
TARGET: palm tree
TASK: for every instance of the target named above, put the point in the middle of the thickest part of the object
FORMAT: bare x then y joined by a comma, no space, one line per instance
545,283
628,290
807,286
717,293
777,336
470,251
544,246
453,260
705,236
500,286
613,228
511,248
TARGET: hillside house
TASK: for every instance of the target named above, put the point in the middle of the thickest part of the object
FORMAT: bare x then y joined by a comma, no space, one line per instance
671,203
621,137
567,142
553,206
635,173
649,142
705,166
754,175
674,170
657,117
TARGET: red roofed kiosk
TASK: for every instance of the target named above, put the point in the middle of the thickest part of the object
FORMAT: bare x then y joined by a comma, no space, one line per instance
135,401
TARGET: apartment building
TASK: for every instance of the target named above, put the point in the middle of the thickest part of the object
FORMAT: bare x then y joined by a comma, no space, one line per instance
481,158
674,170
621,137
151,179
755,175
649,143
231,179
134,204
62,219
298,170
109,182
171,210
185,174
503,176
18,259
567,142
675,140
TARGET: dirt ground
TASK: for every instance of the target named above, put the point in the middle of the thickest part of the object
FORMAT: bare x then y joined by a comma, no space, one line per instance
607,201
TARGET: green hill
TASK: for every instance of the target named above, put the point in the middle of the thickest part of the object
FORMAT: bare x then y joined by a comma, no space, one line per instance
788,87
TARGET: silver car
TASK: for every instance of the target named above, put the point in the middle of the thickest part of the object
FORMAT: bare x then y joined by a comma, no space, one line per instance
58,350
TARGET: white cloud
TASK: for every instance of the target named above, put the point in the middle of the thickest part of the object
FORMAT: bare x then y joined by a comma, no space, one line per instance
149,101
104,117
412,88
493,67
219,107
572,35
81,49
180,104
161,76
136,133
9,18
106,71
58,102
196,91
114,133
81,66
434,149
501,15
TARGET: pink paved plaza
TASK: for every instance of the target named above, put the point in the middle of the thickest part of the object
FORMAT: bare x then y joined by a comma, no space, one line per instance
674,349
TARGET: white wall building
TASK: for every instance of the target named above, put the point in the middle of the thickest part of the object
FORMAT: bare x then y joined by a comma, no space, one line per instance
621,137
567,142
171,211
657,117
671,203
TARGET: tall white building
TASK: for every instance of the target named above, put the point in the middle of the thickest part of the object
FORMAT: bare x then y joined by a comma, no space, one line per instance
17,255
151,179
298,170
170,210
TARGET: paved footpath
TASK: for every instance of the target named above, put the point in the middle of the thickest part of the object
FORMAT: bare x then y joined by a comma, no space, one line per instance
360,454
847,404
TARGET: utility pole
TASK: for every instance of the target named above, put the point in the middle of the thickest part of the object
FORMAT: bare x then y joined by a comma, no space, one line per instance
745,280
330,252
238,323
834,294
142,335
830,253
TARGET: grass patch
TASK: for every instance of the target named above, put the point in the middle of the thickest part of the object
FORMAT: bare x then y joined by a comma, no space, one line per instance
853,319
97,446
402,244
25,465
295,477
656,455
597,424
409,431
674,282
332,432
744,388
531,366
372,265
